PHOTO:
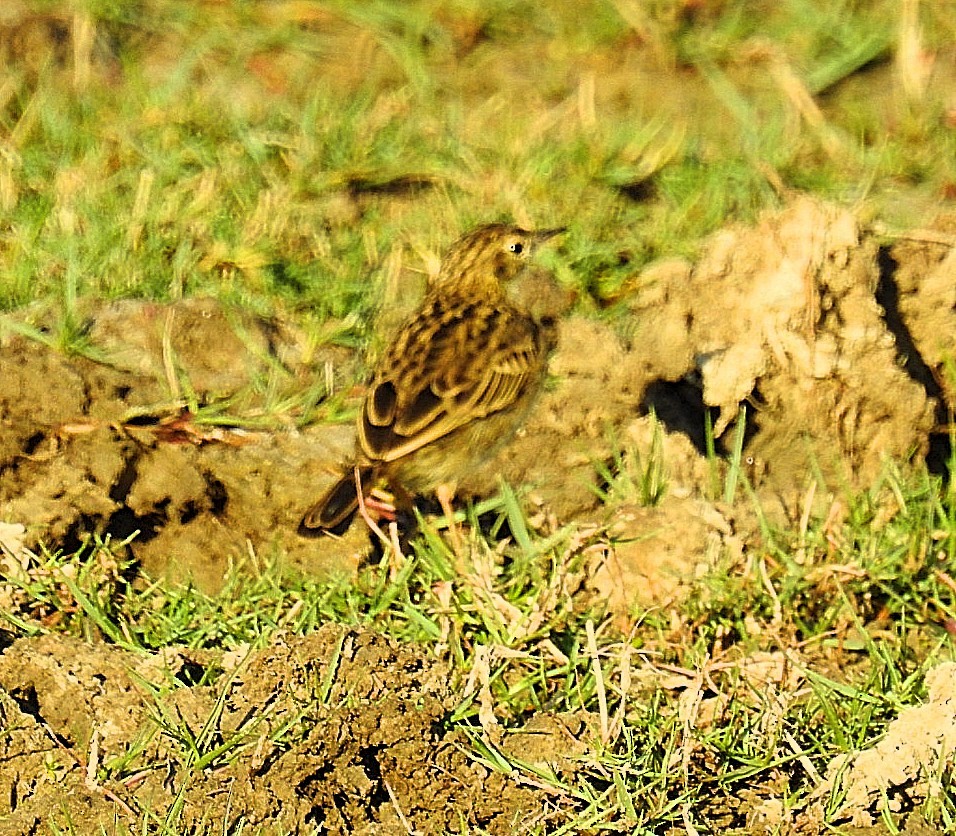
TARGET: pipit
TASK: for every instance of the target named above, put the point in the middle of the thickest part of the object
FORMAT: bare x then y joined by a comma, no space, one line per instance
456,381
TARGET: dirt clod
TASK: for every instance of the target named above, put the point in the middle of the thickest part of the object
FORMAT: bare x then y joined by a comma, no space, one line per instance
905,766
342,729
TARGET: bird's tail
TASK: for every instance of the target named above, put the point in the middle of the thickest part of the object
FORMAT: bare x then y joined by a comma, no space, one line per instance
337,506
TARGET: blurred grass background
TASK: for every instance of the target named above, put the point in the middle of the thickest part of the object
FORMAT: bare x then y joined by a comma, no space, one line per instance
277,154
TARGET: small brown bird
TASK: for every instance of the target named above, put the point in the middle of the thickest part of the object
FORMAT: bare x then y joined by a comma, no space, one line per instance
455,383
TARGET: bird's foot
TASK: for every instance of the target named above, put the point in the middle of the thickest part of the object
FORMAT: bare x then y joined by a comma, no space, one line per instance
381,503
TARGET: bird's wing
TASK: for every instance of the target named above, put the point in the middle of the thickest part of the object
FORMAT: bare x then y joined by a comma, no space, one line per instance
451,364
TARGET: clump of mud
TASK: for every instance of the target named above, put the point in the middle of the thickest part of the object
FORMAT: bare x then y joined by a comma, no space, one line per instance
785,320
340,731
905,768
787,327
107,445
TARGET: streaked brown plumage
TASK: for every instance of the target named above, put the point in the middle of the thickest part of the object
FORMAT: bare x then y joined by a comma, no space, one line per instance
455,382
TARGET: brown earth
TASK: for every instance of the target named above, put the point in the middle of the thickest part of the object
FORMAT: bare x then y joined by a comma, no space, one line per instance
835,344
358,759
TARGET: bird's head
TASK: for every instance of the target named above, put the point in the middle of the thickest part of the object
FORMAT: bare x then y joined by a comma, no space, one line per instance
488,256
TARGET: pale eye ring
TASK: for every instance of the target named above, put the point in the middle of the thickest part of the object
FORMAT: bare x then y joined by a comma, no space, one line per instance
515,247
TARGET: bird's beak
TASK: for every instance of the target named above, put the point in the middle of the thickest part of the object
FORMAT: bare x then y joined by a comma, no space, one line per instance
542,235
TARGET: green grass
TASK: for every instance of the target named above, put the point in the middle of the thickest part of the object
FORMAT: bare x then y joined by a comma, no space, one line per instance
850,615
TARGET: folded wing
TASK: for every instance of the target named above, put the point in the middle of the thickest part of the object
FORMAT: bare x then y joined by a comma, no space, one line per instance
452,364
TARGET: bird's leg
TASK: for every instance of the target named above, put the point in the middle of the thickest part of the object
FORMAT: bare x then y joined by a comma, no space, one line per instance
390,541
445,493
382,503
363,510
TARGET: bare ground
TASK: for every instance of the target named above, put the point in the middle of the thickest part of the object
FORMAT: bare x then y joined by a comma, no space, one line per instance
370,751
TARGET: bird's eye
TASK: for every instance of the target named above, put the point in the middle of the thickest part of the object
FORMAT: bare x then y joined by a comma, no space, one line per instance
515,247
